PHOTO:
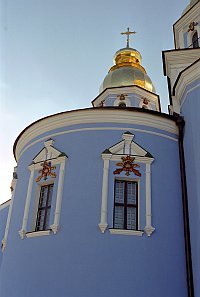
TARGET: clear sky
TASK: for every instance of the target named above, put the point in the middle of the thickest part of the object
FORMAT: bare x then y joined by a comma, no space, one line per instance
54,55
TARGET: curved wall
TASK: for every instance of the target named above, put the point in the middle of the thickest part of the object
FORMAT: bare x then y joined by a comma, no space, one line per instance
79,260
190,111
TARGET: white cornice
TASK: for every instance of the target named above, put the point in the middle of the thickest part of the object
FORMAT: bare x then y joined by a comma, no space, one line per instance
187,77
93,116
177,60
129,89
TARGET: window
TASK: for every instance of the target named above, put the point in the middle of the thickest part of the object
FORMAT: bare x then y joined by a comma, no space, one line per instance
195,41
122,104
44,208
47,170
126,205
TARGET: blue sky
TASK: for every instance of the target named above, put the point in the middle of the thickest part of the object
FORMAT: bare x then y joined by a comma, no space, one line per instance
54,55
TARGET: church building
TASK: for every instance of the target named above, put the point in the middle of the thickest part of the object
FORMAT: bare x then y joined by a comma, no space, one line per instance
106,200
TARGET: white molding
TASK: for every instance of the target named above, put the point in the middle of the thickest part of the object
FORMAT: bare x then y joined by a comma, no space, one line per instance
55,226
178,60
126,232
89,116
38,233
104,200
100,129
36,166
140,92
148,228
187,77
113,155
22,232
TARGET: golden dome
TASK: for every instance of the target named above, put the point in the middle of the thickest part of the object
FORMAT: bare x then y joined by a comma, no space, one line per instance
127,71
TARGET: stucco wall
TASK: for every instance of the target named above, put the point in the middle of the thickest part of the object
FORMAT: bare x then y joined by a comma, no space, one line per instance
81,261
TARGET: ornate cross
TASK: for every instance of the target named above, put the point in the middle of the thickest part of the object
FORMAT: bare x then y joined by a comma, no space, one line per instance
128,33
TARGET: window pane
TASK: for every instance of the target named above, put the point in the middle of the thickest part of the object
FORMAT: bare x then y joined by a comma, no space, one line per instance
131,193
195,41
131,218
119,217
47,219
44,208
50,195
119,192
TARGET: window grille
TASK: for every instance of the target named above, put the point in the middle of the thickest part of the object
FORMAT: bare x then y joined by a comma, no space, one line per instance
126,205
44,208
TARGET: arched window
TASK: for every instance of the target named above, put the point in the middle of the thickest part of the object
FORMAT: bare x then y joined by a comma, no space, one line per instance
195,41
122,104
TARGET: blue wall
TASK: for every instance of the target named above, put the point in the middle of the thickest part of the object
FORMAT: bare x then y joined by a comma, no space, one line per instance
190,111
81,261
3,219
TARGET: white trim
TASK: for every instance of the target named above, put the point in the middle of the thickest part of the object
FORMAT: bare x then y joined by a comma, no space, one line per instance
90,116
131,90
126,232
36,166
148,228
55,225
187,77
22,232
38,233
99,129
116,156
177,60
104,202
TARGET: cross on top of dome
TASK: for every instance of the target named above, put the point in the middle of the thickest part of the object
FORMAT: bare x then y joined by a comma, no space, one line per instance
128,33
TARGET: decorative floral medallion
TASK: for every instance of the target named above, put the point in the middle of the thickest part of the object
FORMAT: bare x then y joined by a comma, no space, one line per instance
128,166
46,171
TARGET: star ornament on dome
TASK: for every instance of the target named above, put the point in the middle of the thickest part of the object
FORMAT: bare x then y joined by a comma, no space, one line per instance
46,171
128,166
128,33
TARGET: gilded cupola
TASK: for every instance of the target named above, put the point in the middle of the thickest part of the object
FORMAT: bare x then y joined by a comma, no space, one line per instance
127,70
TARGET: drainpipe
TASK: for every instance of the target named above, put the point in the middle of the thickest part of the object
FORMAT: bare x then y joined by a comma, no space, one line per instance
181,123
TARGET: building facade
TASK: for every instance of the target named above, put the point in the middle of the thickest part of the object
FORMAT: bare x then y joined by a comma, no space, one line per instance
105,200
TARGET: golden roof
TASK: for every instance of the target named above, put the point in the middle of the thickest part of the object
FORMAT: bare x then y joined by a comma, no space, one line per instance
127,71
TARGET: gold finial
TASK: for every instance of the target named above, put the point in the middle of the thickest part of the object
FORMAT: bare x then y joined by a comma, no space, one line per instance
128,33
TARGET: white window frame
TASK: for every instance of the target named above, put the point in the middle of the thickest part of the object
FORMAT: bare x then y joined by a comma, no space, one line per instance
61,161
107,157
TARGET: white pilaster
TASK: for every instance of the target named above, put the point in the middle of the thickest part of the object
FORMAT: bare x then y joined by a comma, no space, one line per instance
148,228
55,225
22,232
104,204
